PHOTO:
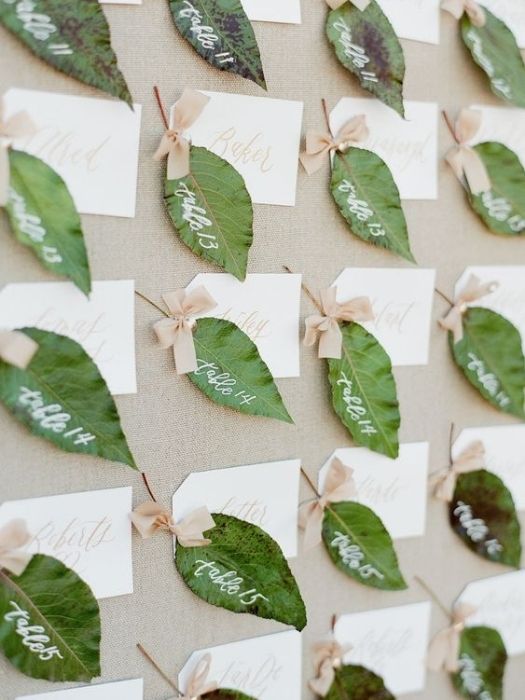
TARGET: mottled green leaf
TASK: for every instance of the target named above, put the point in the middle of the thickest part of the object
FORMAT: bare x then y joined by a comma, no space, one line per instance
220,31
62,397
43,217
72,36
366,44
491,357
212,211
63,612
367,196
482,660
242,570
364,394
354,682
226,694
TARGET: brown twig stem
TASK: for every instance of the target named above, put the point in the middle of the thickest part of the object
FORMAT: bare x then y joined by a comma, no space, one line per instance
158,669
310,483
326,115
148,487
451,440
443,296
450,125
434,597
163,112
143,296
308,293
334,622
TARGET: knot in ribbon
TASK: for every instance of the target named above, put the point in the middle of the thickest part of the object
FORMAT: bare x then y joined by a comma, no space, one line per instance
325,328
20,125
463,159
360,4
457,7
198,684
17,348
319,144
473,291
328,656
151,517
443,652
470,460
13,538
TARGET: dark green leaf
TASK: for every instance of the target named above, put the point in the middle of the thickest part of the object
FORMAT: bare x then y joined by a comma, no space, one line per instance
242,570
220,31
368,198
364,394
43,217
212,211
225,694
482,660
358,683
62,397
366,44
59,606
72,36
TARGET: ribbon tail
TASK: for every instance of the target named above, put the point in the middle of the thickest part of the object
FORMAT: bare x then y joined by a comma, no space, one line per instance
179,160
331,342
16,562
313,529
455,7
475,172
452,657
320,686
312,162
4,175
184,352
438,651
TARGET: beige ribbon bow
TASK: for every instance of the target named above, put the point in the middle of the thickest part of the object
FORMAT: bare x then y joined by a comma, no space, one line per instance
473,291
198,684
470,460
360,4
319,144
177,330
328,656
13,537
463,159
325,328
150,517
339,486
443,651
20,125
173,144
17,348
473,10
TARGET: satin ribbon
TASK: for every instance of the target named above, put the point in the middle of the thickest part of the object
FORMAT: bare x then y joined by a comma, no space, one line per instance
20,125
443,651
339,486
17,348
319,144
470,460
325,328
13,537
473,291
463,159
150,517
173,144
328,656
458,7
198,684
177,331
360,4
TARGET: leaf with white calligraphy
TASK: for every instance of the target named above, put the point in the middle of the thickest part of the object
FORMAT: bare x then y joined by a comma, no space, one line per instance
353,682
72,36
62,397
50,622
225,694
242,570
366,44
43,217
482,661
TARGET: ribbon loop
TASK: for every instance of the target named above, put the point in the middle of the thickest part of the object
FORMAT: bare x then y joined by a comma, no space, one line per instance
443,652
198,684
473,291
328,656
20,125
17,348
13,538
457,7
319,144
463,159
150,517
470,460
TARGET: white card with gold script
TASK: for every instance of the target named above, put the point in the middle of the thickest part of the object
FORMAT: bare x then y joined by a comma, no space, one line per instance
266,308
392,642
89,532
408,146
504,125
512,13
119,690
267,668
104,324
264,494
92,143
288,11
414,19
402,303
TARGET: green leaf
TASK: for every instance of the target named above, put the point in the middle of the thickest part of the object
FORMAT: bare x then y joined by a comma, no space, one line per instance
212,211
364,394
360,546
366,44
43,217
482,659
53,598
72,36
367,196
226,694
354,682
494,49
242,570
232,373
491,357
62,397
484,516
220,31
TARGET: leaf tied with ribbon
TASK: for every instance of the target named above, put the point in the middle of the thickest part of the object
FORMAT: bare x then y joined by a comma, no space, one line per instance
443,652
481,664
150,517
198,684
328,657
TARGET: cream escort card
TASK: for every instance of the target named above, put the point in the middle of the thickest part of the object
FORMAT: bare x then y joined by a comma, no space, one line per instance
120,690
266,307
395,489
259,136
512,12
92,143
104,324
267,668
89,532
504,125
264,494
402,303
408,146
414,19
392,642
288,11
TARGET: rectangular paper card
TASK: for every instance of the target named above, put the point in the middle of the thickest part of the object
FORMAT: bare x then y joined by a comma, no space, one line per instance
395,489
266,308
92,143
402,303
512,13
392,642
89,532
504,125
267,668
259,136
121,690
104,324
263,494
408,146
288,11
414,19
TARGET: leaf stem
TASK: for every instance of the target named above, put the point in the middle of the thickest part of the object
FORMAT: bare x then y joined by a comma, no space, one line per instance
450,125
310,483
148,487
143,296
326,115
158,669
451,440
443,296
334,622
162,109
308,293
434,597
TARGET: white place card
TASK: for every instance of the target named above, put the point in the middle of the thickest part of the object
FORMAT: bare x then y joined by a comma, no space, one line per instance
264,494
268,668
288,11
392,642
512,13
402,302
120,690
89,532
92,143
104,324
395,489
414,19
504,125
266,308
408,146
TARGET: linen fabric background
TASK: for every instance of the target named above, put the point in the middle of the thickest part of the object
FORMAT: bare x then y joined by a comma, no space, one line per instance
172,428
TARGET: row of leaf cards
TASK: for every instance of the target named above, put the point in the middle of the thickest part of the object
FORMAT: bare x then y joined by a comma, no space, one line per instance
118,690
